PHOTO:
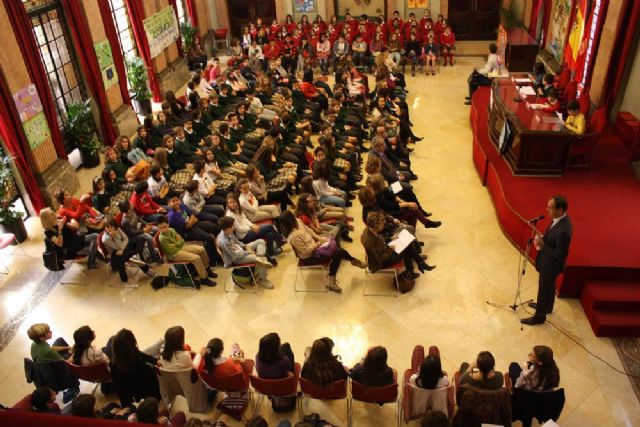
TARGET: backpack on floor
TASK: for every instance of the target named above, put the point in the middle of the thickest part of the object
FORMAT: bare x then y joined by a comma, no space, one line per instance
242,276
179,275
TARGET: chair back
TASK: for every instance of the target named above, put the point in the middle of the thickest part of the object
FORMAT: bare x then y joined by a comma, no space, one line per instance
563,78
484,406
98,373
597,121
416,401
102,250
331,391
220,33
24,404
156,243
187,383
287,386
380,395
585,102
570,91
228,383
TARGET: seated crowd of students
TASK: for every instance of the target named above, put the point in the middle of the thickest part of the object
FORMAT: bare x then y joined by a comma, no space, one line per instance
364,42
134,377
209,179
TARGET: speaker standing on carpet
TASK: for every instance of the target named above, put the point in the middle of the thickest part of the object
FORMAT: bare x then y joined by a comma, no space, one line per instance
553,249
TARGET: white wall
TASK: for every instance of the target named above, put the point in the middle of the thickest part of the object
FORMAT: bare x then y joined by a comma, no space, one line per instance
631,100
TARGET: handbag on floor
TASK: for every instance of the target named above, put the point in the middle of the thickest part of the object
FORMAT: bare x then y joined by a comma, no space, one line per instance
406,282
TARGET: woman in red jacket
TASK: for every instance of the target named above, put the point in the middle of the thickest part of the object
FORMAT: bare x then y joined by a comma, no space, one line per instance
72,208
448,43
311,92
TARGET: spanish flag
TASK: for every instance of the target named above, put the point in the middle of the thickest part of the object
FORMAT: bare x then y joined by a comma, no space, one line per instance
572,49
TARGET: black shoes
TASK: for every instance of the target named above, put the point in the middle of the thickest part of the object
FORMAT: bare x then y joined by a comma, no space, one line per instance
531,321
467,98
432,224
212,274
425,267
207,282
272,261
534,305
467,102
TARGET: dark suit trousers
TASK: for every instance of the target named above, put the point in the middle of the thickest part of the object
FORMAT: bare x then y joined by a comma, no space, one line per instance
546,294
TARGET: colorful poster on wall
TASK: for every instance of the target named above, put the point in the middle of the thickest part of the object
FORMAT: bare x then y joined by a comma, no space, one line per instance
37,130
27,102
558,27
501,42
105,62
304,6
416,4
162,30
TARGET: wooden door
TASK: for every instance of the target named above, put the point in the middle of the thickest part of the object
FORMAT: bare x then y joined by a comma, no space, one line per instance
474,19
242,12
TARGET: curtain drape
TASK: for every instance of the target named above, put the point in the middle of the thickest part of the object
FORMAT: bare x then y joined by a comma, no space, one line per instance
17,145
584,71
533,23
135,8
79,30
192,12
179,40
546,16
30,53
621,51
116,49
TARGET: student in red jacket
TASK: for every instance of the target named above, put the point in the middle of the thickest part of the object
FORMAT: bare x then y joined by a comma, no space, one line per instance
438,27
448,43
143,204
271,51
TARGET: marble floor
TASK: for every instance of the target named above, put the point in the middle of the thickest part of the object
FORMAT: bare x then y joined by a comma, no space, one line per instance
475,264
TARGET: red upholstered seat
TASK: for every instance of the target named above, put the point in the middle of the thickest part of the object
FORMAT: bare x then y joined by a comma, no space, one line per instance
585,102
582,148
563,79
570,91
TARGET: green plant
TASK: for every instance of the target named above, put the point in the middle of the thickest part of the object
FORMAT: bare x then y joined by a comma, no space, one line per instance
137,76
7,213
188,33
509,16
79,128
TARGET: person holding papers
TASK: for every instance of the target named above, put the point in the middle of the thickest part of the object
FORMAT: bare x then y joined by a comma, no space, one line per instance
551,106
381,256
575,121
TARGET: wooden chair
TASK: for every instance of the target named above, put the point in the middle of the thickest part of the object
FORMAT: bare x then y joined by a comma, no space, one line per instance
287,386
377,395
334,391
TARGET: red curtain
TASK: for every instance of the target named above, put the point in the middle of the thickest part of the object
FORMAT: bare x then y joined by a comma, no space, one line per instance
79,30
116,49
30,54
621,51
17,144
192,12
546,16
175,11
535,11
584,69
136,15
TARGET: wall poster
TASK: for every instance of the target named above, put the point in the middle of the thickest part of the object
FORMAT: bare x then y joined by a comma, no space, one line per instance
162,30
304,6
105,62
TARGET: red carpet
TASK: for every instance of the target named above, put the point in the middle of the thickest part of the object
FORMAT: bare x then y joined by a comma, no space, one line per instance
604,205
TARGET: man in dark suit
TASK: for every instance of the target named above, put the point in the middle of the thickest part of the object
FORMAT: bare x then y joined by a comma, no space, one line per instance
553,249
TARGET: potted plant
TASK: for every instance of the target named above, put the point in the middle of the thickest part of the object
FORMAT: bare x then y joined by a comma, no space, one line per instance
188,33
140,94
10,219
79,129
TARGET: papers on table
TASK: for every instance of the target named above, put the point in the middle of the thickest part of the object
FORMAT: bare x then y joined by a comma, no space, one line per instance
396,187
525,81
526,91
559,114
401,242
551,120
536,106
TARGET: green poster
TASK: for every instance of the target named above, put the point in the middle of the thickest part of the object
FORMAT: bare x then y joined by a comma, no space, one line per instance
105,62
37,130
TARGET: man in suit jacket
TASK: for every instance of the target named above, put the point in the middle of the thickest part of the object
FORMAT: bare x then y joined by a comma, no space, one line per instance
553,249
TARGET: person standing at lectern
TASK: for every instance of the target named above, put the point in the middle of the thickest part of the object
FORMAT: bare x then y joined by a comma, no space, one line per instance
480,77
553,247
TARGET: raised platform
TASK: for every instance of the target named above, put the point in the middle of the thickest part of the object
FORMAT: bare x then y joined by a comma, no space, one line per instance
604,205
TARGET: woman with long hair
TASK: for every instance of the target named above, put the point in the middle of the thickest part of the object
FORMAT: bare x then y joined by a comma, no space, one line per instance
277,174
306,211
431,375
264,195
315,250
323,211
247,232
225,158
540,372
132,372
373,371
174,357
274,359
251,206
215,363
83,352
481,374
325,192
323,367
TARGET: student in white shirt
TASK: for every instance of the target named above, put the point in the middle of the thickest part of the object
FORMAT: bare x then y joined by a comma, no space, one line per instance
250,205
174,357
158,185
206,186
247,232
83,352
479,77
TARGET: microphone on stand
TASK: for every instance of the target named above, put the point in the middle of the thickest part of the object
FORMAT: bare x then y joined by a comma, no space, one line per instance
535,220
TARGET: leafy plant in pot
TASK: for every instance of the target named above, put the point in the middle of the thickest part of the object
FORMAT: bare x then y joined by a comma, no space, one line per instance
139,91
188,33
10,219
80,130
